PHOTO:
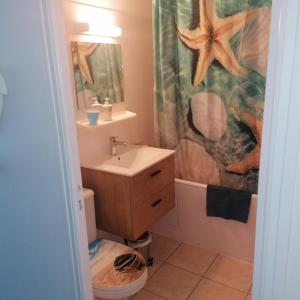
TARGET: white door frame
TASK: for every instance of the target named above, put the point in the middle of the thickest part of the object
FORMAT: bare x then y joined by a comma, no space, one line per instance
58,65
275,269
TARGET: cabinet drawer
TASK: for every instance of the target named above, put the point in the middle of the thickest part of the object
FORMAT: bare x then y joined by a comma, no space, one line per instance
152,179
152,209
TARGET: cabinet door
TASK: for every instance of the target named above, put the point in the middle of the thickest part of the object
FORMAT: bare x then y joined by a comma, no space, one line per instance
152,208
112,201
152,180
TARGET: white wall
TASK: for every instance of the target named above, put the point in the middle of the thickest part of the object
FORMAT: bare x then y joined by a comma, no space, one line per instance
137,50
141,8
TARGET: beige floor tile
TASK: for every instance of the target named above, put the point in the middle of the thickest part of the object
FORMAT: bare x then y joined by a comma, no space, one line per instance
192,259
156,265
162,247
155,236
209,290
172,283
231,272
144,295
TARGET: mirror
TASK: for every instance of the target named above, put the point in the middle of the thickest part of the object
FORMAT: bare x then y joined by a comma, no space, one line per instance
98,73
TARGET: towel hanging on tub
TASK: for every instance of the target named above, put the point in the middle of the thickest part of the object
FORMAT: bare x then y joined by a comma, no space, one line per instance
228,203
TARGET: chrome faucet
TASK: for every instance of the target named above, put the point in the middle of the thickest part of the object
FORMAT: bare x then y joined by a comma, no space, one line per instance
114,143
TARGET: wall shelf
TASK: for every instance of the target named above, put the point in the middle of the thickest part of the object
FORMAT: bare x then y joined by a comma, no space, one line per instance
116,117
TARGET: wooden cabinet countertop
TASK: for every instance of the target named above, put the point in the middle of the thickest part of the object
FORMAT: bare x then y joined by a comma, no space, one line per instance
129,206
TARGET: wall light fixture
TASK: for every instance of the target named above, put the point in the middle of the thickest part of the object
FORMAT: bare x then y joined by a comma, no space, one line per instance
98,29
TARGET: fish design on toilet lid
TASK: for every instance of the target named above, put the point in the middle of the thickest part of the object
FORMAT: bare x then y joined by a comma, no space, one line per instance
128,263
104,274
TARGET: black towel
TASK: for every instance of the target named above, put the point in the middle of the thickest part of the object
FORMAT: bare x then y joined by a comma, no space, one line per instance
228,203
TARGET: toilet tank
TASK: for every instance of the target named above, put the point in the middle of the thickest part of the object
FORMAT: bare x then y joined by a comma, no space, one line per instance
88,196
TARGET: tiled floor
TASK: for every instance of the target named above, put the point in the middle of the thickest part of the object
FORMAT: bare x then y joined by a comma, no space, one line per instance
182,272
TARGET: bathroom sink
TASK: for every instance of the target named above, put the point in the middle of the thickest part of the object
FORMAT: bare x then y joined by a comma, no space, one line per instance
131,160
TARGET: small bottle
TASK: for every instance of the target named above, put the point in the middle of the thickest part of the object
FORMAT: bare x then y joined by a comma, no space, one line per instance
94,102
107,110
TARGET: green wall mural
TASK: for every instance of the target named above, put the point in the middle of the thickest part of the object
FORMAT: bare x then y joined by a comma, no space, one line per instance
210,75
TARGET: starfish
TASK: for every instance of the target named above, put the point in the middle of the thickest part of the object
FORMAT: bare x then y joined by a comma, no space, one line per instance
252,159
80,54
212,38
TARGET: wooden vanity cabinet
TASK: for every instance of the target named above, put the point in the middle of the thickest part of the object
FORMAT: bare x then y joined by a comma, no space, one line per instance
128,206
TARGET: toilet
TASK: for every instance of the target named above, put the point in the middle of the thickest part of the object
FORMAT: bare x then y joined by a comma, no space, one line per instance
107,282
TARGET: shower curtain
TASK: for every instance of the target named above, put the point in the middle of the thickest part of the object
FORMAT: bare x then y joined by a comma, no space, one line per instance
210,75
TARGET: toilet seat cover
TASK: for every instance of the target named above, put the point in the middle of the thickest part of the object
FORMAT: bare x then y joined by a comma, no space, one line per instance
104,275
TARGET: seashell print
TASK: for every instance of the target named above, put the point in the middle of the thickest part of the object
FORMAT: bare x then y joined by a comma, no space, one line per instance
254,45
192,162
209,115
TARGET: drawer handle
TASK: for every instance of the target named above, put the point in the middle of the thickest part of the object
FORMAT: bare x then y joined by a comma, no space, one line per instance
156,202
155,173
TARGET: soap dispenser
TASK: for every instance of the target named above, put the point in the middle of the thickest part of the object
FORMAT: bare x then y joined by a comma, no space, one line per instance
94,102
107,110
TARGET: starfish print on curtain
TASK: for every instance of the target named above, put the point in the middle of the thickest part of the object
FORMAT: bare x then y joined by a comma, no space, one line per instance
80,53
212,38
252,159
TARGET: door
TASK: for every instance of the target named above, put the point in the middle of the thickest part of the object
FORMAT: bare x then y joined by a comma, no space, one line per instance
43,252
277,262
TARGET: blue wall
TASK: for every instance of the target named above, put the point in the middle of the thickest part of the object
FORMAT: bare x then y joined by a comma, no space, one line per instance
35,260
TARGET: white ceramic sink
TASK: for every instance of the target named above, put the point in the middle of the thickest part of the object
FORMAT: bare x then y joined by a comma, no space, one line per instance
131,160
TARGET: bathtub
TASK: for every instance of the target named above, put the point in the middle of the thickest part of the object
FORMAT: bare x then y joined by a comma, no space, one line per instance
188,223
